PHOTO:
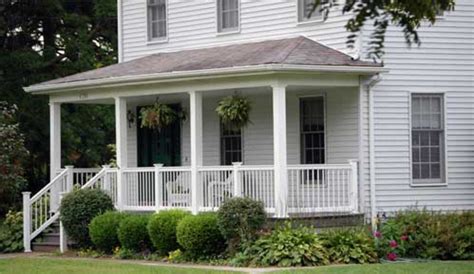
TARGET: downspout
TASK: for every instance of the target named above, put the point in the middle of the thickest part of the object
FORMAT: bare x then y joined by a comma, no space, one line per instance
373,209
119,31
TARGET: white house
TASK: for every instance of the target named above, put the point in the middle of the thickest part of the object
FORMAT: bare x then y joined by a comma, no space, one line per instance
331,133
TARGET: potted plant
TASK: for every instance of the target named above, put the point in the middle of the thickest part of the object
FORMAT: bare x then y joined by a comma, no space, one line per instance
160,116
234,111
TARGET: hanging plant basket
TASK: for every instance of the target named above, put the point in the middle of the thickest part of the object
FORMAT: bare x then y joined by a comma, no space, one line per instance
234,111
160,116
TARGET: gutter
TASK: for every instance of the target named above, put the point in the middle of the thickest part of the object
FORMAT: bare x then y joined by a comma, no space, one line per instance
198,75
373,208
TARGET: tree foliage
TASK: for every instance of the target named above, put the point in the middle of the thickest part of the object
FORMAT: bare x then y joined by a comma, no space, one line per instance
12,155
47,39
406,14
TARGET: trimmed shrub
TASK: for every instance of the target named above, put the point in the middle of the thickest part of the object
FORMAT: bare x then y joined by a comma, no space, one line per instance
103,230
240,218
285,246
350,246
162,229
133,234
199,235
78,208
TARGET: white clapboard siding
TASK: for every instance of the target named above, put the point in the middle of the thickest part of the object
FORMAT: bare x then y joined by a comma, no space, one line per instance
444,63
192,24
341,122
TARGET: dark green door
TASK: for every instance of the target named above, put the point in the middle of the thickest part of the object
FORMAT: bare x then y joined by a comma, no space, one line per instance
159,146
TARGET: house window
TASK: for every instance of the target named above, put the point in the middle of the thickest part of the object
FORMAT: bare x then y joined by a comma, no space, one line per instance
231,145
312,130
228,15
304,10
427,138
157,29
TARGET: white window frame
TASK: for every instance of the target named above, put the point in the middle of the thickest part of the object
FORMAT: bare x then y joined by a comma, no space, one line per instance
301,19
443,151
219,29
150,39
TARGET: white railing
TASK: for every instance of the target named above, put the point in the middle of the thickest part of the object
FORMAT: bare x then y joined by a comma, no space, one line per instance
174,187
215,185
257,182
105,180
138,189
41,210
322,188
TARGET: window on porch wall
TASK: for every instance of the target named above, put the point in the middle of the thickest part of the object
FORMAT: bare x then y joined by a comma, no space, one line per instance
312,128
427,138
231,144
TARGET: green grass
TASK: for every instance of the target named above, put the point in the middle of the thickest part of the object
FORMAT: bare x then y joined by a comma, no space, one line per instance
26,265
432,267
43,265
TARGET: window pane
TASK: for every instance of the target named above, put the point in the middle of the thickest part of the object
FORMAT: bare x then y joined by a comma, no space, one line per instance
434,138
435,171
425,138
416,171
425,171
416,155
434,154
425,154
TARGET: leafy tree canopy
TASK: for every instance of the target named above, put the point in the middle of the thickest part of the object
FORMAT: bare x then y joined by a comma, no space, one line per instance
407,14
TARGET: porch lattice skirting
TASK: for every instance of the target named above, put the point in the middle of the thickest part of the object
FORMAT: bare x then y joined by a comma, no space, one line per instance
310,189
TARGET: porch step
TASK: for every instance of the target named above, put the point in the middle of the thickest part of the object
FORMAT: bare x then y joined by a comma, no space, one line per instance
326,220
45,246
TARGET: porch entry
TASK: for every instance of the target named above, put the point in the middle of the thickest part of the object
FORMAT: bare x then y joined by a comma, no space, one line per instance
159,145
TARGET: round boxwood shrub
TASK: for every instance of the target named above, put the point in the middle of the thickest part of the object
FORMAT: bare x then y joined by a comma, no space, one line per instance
103,230
240,218
133,234
78,208
162,229
199,235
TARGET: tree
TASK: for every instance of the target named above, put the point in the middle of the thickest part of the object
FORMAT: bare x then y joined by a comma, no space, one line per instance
407,14
46,39
12,155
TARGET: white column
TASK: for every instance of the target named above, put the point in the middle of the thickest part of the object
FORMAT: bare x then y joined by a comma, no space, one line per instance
354,184
62,232
237,181
279,151
55,138
26,222
121,131
69,179
195,100
121,147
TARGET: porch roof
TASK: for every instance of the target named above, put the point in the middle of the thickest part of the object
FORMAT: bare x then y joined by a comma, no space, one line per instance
298,53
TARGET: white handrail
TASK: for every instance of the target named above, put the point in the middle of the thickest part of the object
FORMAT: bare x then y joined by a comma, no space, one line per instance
94,179
48,186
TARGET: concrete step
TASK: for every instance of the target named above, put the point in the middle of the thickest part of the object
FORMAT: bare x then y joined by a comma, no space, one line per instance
45,246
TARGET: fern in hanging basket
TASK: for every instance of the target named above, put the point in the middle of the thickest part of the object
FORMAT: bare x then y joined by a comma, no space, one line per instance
234,111
160,116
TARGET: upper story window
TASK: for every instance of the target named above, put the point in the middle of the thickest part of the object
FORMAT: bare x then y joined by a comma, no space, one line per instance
228,17
304,11
427,139
157,20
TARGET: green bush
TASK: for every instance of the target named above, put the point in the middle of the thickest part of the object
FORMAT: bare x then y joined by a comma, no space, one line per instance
162,229
346,246
78,208
11,233
428,235
240,218
133,234
199,235
285,246
103,230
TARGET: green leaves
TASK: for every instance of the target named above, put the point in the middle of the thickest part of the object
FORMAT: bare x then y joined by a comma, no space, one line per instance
160,116
11,233
234,111
406,14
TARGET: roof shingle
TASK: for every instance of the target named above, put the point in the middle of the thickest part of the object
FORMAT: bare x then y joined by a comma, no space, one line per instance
290,51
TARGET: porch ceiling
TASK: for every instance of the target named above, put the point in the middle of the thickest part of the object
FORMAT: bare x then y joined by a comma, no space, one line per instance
293,54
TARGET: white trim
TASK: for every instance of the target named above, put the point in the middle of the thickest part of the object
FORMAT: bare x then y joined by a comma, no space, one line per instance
206,73
360,132
119,31
444,157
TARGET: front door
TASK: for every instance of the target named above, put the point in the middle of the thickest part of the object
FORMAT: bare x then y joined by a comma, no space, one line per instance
159,146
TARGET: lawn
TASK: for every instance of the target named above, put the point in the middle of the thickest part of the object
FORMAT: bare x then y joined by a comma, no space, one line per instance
433,267
26,265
